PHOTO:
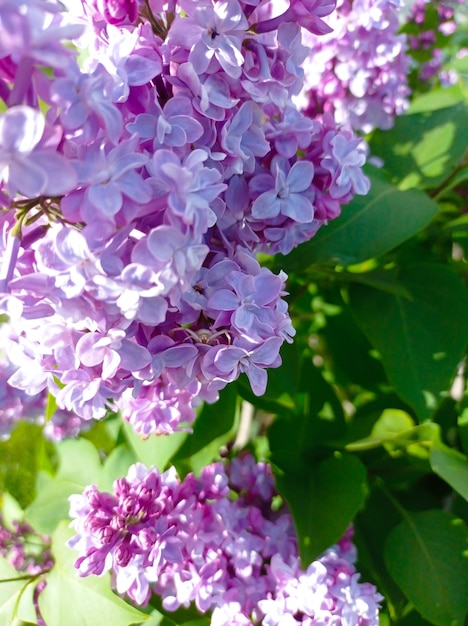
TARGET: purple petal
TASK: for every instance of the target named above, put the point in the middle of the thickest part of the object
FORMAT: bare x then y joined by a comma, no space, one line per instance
268,288
179,355
106,198
298,208
61,176
265,206
193,129
258,379
141,70
21,129
300,176
110,364
27,177
223,300
71,246
152,311
133,356
267,353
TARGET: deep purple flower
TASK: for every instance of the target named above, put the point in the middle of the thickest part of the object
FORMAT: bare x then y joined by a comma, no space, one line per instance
117,12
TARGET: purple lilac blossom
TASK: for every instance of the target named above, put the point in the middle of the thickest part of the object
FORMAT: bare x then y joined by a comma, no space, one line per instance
214,33
215,542
133,209
359,72
20,405
30,39
117,11
426,44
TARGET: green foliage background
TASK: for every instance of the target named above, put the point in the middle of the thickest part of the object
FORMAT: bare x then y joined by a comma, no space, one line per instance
366,421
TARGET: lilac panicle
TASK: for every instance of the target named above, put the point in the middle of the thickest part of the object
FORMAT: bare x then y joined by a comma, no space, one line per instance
215,542
137,187
359,72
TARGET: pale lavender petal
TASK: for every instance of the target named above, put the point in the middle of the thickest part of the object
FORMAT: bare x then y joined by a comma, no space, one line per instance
133,356
61,176
110,364
267,205
223,300
27,177
298,208
300,176
258,379
106,198
21,129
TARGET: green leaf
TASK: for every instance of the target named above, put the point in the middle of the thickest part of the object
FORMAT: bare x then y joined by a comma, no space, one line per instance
451,466
423,149
16,596
79,461
19,461
392,422
51,505
388,428
426,556
213,421
155,619
368,227
458,179
104,434
381,279
74,601
116,466
79,466
324,499
10,510
51,407
459,224
372,526
413,618
436,99
156,450
350,352
422,339
296,439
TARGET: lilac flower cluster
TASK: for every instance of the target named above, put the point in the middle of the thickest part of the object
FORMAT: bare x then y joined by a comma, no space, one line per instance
429,27
28,553
215,541
359,72
138,187
16,405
